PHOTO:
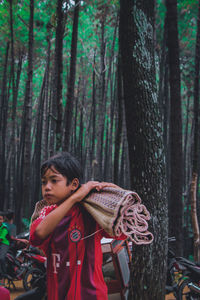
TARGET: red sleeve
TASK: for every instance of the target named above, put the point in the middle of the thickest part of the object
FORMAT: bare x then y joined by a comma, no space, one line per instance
34,239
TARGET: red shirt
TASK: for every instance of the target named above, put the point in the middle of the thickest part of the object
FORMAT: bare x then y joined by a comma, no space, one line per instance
74,256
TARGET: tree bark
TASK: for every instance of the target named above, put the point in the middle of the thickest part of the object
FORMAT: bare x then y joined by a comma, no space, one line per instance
14,104
145,144
72,77
193,197
176,163
25,191
119,123
101,100
46,113
3,126
58,70
36,160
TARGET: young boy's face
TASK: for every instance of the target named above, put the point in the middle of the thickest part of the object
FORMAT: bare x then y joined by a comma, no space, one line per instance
1,220
54,187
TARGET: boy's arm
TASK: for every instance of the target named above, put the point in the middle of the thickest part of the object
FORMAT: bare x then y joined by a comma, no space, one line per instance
35,241
49,223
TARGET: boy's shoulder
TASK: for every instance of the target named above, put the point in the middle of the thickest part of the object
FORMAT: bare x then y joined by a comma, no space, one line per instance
42,209
46,210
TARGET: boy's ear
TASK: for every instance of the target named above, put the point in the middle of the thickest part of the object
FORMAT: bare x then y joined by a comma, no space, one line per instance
75,184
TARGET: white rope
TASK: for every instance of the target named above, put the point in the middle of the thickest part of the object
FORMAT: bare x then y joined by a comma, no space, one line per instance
85,237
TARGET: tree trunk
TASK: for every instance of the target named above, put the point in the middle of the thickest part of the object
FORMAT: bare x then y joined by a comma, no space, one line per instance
26,128
36,160
195,161
14,105
58,70
108,170
45,128
146,150
3,125
52,118
72,76
101,99
119,124
93,148
186,148
12,67
176,163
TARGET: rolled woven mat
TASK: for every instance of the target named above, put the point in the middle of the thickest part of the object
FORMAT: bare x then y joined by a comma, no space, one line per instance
38,207
117,211
120,211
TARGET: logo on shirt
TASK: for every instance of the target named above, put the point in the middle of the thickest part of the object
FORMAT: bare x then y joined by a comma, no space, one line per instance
75,235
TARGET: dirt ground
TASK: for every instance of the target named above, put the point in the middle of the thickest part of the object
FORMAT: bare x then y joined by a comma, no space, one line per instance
19,290
16,292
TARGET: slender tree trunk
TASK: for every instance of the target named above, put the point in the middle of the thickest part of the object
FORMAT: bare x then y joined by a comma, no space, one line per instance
58,70
108,170
14,105
72,76
36,160
25,196
119,124
195,161
12,67
79,150
176,163
45,128
166,112
106,155
14,143
76,117
185,147
3,125
93,154
52,118
101,103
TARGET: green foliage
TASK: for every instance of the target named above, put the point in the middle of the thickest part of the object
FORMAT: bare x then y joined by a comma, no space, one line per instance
44,18
191,257
26,223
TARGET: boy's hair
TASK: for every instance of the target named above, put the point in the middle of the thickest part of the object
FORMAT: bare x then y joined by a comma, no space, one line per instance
65,164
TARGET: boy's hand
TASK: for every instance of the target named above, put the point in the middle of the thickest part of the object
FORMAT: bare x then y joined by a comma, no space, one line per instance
103,185
86,188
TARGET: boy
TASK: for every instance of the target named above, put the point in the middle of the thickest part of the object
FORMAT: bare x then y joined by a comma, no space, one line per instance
9,222
4,245
68,234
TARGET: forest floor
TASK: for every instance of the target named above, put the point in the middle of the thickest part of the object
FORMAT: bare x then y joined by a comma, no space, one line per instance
19,290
